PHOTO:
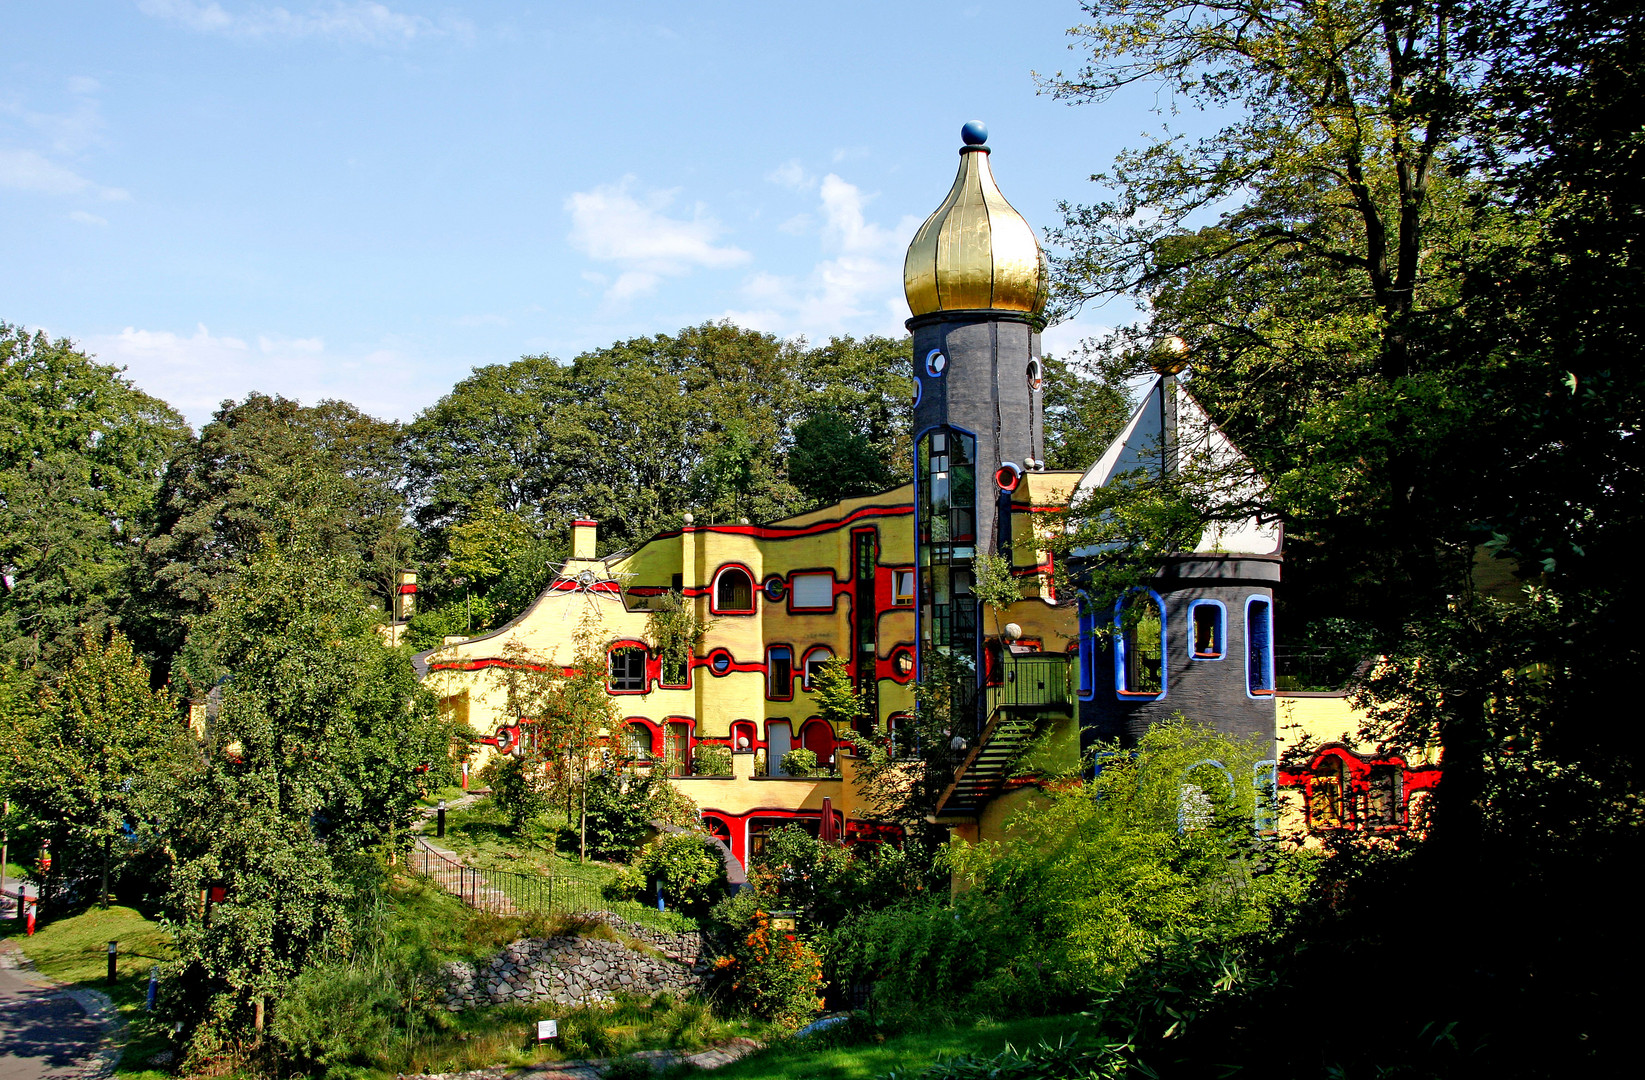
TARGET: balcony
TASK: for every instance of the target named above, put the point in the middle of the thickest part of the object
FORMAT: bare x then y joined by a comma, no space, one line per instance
1034,681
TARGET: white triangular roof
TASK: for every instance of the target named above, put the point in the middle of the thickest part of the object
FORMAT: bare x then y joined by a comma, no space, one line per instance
1140,445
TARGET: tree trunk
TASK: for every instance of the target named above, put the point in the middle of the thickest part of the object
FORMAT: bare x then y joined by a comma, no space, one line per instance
103,897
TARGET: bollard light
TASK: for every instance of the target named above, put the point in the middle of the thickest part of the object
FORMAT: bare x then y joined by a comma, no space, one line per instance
114,955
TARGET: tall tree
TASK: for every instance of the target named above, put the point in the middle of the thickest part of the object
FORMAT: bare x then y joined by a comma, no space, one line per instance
87,766
238,486
82,451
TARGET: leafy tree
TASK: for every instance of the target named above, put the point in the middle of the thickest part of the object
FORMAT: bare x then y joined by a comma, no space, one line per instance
675,630
238,486
88,765
1083,412
622,804
82,451
868,383
519,788
830,461
324,742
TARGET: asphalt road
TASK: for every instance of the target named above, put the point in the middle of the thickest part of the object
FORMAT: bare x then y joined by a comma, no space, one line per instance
43,1032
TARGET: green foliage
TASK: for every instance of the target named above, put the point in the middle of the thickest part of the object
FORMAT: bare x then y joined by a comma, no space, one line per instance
767,972
519,787
1095,879
622,804
323,743
831,462
711,760
800,762
826,883
92,763
689,868
269,470
82,451
835,694
674,630
1084,411
1066,1059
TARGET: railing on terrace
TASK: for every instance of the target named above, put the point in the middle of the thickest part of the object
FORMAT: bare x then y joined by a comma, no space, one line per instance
1033,680
505,892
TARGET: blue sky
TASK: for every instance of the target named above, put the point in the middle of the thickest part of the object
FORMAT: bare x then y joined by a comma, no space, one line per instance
365,200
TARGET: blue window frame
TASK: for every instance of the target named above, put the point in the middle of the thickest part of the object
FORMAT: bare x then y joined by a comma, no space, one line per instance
1259,646
1265,786
1139,647
1207,630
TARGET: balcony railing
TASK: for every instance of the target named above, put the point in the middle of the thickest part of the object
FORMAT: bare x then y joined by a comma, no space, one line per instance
1034,681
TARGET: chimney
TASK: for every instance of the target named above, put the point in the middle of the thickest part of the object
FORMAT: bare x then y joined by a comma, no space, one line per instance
405,596
582,538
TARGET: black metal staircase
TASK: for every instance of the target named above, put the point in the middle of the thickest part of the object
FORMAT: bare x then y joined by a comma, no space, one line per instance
1034,687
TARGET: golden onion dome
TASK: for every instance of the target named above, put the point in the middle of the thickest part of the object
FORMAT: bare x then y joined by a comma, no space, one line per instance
975,252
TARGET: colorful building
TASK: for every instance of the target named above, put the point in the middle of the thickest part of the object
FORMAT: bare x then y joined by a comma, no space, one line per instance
885,583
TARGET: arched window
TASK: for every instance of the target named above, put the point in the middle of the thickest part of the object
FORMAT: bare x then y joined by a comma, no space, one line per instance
818,737
1207,626
636,741
626,669
1326,809
1382,807
1259,647
815,658
733,592
1139,645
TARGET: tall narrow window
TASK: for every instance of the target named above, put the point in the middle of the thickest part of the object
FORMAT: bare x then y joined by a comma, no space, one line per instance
1088,651
626,673
1206,622
1382,807
814,660
677,747
636,742
1326,809
866,556
779,667
733,592
1139,653
1259,647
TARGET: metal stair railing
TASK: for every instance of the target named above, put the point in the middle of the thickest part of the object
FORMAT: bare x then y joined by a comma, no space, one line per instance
504,892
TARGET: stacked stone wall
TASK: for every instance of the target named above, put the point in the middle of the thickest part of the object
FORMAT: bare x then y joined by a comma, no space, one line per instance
574,971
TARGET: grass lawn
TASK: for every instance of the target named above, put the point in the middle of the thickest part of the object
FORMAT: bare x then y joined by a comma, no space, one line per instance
75,950
796,1061
481,836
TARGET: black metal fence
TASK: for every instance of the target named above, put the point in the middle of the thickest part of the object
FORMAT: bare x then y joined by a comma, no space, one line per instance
505,892
1034,680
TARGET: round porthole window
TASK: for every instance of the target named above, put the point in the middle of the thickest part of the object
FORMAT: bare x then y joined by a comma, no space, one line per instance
1036,377
720,661
774,589
936,364
1008,476
918,386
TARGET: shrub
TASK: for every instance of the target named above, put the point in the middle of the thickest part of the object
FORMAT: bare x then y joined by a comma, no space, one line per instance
771,974
622,804
712,760
689,868
827,882
801,762
627,884
519,788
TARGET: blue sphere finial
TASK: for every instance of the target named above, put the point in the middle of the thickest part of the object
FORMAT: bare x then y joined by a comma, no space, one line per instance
975,133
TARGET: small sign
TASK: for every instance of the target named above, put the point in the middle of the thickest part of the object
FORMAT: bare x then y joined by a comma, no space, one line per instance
782,922
548,1029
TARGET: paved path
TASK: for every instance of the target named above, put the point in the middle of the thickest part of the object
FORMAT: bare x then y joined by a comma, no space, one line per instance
48,1032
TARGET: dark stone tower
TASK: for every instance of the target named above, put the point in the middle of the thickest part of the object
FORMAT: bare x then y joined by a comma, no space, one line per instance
976,284
1204,646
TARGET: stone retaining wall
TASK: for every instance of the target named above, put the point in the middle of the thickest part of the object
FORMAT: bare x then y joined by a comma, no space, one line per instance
579,970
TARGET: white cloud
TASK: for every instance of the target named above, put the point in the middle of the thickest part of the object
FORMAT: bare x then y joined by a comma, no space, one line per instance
361,21
27,170
87,219
197,372
791,174
858,288
612,223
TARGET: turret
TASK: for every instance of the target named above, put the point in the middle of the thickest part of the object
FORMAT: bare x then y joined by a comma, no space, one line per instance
976,283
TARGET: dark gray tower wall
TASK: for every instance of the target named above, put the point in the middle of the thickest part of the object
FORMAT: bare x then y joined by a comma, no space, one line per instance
1212,692
985,391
